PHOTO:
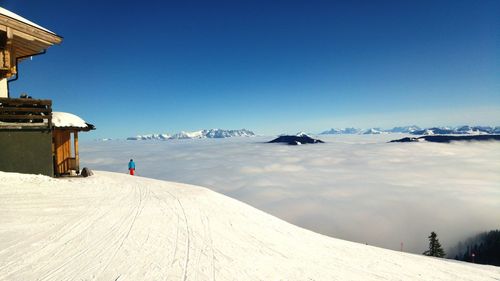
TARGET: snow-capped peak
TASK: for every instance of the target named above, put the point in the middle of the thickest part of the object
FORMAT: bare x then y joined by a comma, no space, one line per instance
150,137
188,135
373,131
415,130
211,133
302,134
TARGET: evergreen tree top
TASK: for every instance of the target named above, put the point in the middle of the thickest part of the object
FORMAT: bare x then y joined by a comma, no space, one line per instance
435,249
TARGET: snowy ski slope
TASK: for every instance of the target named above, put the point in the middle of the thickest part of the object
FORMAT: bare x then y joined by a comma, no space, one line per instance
116,227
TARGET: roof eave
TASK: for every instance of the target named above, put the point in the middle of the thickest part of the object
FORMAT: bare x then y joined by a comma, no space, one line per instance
41,34
80,129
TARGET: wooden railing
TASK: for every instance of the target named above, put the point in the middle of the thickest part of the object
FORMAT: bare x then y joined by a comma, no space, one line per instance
25,113
66,165
73,165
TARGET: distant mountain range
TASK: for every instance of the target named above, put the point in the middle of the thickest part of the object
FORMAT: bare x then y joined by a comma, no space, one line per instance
415,130
202,134
450,138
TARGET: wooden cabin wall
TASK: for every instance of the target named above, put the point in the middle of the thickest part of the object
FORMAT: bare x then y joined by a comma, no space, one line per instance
26,151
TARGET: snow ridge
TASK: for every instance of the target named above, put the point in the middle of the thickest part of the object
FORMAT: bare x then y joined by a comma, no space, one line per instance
202,134
415,130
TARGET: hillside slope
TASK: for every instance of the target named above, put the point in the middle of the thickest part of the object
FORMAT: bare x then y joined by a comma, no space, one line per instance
117,227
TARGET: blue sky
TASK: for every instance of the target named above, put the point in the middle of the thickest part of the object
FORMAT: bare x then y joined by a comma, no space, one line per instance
270,66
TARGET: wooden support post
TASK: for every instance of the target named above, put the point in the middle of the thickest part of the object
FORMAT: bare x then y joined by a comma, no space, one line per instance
10,57
77,157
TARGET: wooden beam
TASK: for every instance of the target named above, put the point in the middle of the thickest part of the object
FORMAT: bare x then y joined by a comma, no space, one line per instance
49,37
77,156
22,117
8,101
34,45
8,52
23,51
33,39
24,109
24,126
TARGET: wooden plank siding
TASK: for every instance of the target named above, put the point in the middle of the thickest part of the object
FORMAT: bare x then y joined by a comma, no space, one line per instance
77,154
62,151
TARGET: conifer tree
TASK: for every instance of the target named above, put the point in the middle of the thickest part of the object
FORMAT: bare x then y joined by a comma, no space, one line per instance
435,249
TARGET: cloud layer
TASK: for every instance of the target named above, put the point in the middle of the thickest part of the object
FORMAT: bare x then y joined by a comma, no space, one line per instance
358,188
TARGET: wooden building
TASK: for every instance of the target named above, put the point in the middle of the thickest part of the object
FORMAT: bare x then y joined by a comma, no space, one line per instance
33,139
65,142
19,40
26,136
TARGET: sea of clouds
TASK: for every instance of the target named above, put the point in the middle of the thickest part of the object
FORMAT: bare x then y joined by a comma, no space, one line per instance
358,188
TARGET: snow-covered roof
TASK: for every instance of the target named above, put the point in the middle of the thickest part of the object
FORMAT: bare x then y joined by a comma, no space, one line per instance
68,120
17,17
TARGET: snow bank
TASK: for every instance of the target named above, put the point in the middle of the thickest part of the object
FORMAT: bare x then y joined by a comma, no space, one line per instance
117,227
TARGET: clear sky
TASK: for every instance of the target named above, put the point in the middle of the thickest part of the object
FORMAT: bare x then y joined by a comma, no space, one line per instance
133,67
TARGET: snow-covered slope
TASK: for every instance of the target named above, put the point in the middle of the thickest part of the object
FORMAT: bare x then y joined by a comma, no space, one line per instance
150,137
212,133
117,227
301,134
188,135
404,129
335,131
219,133
373,131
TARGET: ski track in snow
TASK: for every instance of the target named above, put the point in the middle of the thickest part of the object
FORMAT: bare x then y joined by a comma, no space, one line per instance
116,227
186,260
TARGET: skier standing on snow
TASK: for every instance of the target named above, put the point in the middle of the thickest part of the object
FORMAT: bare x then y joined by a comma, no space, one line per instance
131,167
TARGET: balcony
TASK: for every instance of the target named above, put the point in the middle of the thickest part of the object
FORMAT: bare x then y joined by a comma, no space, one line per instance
25,114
